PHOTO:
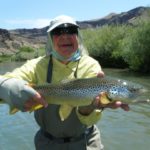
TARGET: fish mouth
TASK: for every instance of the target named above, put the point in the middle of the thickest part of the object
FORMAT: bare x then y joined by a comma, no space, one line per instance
143,90
138,90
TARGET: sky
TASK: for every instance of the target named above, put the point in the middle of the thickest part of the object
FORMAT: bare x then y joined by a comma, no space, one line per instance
18,14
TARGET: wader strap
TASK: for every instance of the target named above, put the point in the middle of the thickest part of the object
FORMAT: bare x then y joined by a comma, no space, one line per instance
50,70
75,73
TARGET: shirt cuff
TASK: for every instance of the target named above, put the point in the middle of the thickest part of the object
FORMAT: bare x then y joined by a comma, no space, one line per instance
91,119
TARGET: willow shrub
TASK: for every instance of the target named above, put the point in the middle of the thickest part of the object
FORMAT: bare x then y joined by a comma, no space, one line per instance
4,58
104,44
26,49
136,48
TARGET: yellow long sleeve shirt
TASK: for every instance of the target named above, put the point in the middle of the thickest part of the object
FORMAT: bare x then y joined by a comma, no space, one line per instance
35,72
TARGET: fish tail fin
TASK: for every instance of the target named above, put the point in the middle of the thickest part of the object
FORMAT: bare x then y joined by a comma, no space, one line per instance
12,110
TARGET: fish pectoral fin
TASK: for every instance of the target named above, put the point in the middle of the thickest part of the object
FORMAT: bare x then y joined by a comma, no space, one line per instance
104,98
12,110
36,107
65,111
65,81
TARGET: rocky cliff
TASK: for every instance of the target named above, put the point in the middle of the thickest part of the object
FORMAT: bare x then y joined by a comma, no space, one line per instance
11,40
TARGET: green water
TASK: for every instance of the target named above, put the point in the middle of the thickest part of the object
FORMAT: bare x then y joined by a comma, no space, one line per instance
127,130
120,130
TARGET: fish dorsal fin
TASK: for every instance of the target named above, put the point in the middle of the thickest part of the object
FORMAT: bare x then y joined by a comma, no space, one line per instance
65,111
67,80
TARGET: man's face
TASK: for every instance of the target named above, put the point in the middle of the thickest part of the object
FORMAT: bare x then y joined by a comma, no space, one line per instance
65,42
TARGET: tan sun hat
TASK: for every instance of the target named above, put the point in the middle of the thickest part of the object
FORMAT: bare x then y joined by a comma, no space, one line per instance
60,20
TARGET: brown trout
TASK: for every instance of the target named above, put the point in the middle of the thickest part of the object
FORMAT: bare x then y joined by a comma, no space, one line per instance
81,92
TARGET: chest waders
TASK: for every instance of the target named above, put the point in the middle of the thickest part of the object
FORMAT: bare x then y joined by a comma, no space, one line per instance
87,132
50,70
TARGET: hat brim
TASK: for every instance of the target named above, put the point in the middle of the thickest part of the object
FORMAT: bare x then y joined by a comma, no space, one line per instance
59,24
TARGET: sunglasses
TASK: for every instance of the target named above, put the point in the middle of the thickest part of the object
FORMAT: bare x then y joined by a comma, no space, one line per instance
68,30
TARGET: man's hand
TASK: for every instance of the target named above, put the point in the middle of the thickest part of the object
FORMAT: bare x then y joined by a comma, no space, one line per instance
86,110
36,102
18,94
113,105
101,74
99,104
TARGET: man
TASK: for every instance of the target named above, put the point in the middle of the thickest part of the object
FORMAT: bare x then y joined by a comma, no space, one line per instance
65,58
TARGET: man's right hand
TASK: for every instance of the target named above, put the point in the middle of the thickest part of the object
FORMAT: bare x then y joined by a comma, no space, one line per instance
34,103
18,94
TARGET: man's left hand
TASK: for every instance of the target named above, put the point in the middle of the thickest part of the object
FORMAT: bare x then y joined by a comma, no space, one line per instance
98,103
113,105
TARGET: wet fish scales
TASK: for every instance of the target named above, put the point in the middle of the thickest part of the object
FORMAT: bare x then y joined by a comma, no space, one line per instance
82,91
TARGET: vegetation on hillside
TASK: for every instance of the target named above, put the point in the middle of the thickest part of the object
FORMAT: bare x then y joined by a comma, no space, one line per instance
121,46
136,48
24,53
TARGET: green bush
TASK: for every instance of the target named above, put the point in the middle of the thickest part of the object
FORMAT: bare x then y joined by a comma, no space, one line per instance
113,46
136,48
121,45
26,53
4,58
26,49
104,44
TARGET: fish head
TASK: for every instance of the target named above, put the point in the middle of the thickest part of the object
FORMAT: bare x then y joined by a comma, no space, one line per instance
125,91
119,93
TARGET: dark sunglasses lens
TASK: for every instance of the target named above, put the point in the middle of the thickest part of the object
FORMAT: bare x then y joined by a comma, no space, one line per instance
68,30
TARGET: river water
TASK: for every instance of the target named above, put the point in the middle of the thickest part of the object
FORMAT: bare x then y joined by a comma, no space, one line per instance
120,130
